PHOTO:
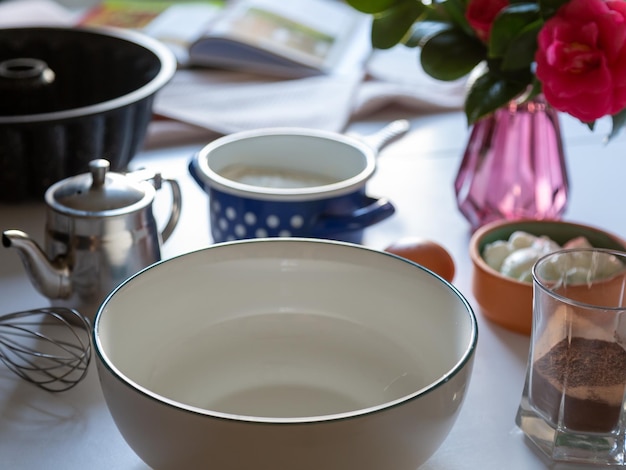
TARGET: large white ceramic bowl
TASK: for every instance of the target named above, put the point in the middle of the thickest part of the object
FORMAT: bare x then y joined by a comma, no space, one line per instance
285,354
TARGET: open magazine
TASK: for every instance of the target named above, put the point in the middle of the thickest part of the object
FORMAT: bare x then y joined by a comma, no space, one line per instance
290,39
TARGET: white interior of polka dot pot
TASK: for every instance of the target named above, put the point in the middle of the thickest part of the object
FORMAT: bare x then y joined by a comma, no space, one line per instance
334,159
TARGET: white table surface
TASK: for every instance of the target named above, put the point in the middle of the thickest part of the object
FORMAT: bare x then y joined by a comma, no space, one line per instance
73,430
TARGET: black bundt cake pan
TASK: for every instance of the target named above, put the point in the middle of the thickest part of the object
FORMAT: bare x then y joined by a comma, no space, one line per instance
70,95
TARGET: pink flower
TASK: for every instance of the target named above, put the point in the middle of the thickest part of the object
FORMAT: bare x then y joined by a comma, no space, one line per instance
480,15
581,58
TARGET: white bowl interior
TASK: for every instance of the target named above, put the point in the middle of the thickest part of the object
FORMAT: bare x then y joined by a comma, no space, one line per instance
285,330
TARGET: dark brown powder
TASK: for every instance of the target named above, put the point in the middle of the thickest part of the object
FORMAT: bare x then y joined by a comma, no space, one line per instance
587,365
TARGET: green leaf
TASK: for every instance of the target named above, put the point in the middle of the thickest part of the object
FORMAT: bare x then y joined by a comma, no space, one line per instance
535,88
549,7
373,6
391,26
521,51
424,30
619,120
509,24
489,93
455,11
451,54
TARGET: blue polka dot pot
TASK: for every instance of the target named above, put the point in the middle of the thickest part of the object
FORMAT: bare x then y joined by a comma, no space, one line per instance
288,182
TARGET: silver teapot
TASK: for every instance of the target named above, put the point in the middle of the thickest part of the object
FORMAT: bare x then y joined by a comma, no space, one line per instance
100,230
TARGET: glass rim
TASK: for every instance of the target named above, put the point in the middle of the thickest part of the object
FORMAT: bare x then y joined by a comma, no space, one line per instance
539,282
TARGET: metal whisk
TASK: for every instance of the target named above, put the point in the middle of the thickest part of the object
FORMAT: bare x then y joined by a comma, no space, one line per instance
49,347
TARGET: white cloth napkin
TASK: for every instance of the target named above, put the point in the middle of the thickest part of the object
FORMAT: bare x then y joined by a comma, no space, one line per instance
227,102
397,78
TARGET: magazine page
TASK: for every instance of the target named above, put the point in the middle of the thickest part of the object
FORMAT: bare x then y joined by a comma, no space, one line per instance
175,23
312,36
183,23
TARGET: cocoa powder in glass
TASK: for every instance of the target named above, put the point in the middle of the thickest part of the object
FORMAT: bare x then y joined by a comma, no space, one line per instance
589,375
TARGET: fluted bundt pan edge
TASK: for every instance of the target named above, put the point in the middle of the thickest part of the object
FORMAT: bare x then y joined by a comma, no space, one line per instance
97,105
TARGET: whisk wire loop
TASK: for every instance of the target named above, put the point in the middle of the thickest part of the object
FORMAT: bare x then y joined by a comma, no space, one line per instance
49,347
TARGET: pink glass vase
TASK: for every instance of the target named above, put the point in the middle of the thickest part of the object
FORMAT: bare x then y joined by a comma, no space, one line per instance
514,166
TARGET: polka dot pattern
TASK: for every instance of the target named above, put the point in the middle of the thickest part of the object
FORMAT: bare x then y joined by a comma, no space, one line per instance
230,223
235,217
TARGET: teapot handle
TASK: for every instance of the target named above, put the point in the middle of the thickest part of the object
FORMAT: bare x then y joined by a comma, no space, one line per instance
176,205
157,181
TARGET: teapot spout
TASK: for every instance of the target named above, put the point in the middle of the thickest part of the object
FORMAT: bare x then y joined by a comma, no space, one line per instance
51,279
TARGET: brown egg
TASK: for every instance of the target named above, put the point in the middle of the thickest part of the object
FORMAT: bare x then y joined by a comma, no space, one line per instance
427,253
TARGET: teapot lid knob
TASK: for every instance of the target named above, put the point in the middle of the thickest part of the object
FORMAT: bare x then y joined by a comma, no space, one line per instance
98,169
99,192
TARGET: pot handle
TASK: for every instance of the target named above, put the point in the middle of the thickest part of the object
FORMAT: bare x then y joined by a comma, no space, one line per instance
375,210
194,171
388,134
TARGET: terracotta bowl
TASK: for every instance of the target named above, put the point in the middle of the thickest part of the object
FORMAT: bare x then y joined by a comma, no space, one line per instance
506,301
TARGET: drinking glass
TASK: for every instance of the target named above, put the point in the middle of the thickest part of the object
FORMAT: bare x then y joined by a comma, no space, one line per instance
572,405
